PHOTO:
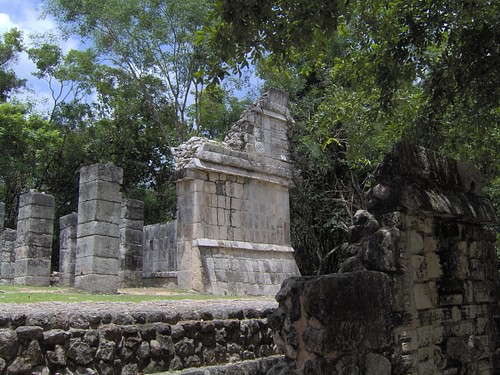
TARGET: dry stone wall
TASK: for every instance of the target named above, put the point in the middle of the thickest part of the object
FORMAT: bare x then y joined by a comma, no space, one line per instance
415,291
130,342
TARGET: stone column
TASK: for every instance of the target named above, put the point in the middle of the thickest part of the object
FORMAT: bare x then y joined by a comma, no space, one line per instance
131,235
2,215
33,248
67,249
7,239
7,255
98,232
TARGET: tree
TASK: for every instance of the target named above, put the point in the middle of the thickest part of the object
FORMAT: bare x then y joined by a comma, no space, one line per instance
449,52
10,46
364,75
149,41
27,141
68,76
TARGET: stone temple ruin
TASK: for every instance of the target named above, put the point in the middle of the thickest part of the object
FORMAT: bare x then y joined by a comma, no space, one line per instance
231,236
414,291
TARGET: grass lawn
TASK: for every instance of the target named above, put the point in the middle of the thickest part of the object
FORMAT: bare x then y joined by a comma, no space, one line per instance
31,294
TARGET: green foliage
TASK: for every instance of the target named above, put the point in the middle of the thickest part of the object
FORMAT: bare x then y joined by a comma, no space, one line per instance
380,71
28,144
10,46
215,111
149,44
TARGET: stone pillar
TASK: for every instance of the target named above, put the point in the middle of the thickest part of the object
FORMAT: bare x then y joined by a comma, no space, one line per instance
67,249
33,248
7,255
2,215
98,232
131,235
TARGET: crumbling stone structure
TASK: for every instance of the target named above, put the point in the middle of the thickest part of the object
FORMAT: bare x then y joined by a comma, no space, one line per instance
415,291
159,256
98,231
131,238
67,248
7,256
233,224
33,246
81,339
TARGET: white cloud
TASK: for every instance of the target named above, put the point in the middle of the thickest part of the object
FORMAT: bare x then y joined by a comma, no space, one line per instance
25,15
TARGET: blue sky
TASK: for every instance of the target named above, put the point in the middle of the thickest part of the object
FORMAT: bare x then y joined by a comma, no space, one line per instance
25,15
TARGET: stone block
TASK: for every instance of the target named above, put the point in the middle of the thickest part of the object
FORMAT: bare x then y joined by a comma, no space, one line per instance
68,221
36,240
424,296
35,225
434,269
331,299
97,228
99,210
100,190
96,265
34,211
100,246
32,267
415,242
32,280
2,215
32,251
6,270
98,283
105,172
376,364
36,199
132,209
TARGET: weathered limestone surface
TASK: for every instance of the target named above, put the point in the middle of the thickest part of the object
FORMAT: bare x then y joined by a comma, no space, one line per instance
160,255
233,205
121,339
67,249
2,216
7,255
131,238
33,246
98,232
415,291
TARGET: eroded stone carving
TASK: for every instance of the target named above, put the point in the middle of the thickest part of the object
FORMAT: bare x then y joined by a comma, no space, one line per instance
415,290
233,225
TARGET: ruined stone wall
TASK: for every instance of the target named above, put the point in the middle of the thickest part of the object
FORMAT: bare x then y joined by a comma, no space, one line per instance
97,341
7,256
415,291
33,245
233,205
160,255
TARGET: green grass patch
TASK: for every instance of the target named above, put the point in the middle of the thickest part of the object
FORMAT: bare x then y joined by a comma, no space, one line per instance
29,294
